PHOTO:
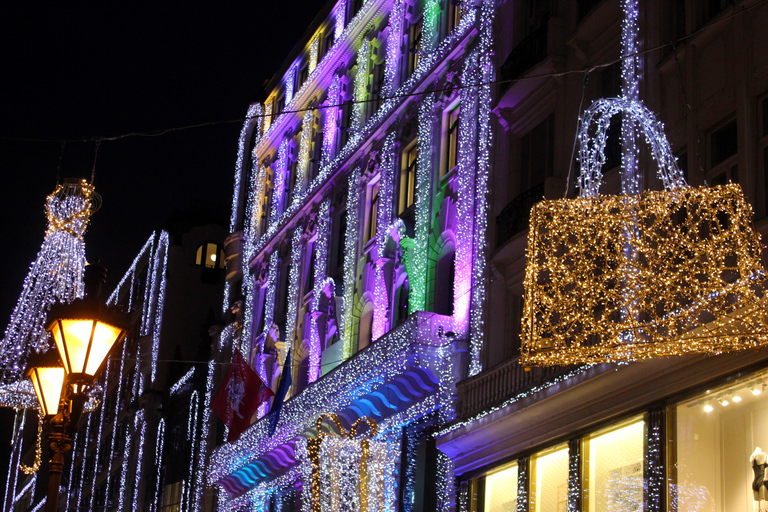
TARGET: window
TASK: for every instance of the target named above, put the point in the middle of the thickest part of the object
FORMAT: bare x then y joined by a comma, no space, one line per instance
279,107
303,75
452,14
549,480
501,490
414,45
400,303
722,149
613,468
327,43
444,276
210,255
721,437
407,181
354,7
763,153
365,327
172,497
377,87
373,212
315,148
537,154
451,142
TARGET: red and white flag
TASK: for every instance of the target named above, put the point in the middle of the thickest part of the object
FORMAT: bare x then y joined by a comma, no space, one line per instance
239,396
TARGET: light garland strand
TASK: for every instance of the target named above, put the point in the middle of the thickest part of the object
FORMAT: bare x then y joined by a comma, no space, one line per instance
351,240
55,275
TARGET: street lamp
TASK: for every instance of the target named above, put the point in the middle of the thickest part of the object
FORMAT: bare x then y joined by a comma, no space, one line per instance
85,331
47,376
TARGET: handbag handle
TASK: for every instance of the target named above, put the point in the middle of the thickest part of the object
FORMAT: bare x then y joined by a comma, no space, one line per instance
592,149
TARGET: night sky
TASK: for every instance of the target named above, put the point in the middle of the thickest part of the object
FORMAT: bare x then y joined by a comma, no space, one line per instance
74,70
77,70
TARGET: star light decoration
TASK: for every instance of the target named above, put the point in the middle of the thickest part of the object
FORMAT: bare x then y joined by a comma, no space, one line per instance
620,278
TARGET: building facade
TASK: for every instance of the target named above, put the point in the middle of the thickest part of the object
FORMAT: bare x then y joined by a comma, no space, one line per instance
676,433
358,226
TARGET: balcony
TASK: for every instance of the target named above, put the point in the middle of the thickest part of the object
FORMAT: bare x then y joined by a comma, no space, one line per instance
503,381
515,216
529,52
407,369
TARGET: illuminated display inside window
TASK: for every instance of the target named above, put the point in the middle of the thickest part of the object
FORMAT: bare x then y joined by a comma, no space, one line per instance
613,469
501,490
722,437
549,481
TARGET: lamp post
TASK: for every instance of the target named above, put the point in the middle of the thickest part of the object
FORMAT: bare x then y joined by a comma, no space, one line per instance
84,332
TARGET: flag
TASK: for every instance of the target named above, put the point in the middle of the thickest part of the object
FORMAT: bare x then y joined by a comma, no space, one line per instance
239,396
282,389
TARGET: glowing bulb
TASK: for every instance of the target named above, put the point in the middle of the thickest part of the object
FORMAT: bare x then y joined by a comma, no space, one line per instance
736,398
708,408
213,257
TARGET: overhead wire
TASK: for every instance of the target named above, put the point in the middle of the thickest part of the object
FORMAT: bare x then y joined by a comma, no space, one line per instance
453,87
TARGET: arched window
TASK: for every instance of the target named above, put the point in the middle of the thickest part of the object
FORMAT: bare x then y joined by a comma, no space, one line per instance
365,327
444,277
210,255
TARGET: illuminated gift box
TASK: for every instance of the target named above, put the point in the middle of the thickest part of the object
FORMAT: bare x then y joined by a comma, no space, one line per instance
626,277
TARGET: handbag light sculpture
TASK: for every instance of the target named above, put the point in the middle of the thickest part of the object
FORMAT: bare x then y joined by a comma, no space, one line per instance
640,275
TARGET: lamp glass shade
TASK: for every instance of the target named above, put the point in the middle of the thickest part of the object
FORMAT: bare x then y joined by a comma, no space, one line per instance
83,344
48,383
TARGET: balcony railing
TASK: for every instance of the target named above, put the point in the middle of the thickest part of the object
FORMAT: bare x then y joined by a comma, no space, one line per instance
515,216
493,386
529,52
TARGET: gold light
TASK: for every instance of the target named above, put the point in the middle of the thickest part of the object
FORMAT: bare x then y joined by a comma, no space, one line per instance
47,377
621,278
85,331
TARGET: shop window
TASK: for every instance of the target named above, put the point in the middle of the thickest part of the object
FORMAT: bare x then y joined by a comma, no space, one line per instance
721,439
210,255
451,141
613,468
549,480
407,181
501,490
722,153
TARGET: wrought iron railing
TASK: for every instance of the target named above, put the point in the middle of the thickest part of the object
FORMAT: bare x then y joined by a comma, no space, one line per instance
515,216
495,385
529,52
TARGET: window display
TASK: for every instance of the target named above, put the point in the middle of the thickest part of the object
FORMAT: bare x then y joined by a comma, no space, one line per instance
721,440
613,468
501,490
549,480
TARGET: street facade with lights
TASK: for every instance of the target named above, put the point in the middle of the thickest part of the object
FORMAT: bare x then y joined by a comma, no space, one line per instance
328,244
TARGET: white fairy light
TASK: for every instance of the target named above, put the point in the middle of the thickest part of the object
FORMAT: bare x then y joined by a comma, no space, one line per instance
350,240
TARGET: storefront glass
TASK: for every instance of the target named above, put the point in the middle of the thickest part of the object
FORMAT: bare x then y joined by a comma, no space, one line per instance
722,437
613,469
549,481
501,490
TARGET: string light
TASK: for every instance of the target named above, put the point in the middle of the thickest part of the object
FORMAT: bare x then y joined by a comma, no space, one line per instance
55,275
356,380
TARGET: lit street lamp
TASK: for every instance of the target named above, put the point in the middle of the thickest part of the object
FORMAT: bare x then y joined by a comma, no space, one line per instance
85,331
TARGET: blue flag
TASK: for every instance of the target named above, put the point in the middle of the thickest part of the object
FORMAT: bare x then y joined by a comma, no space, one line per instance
282,389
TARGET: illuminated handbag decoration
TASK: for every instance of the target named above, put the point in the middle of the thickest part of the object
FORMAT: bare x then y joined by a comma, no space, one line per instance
627,277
